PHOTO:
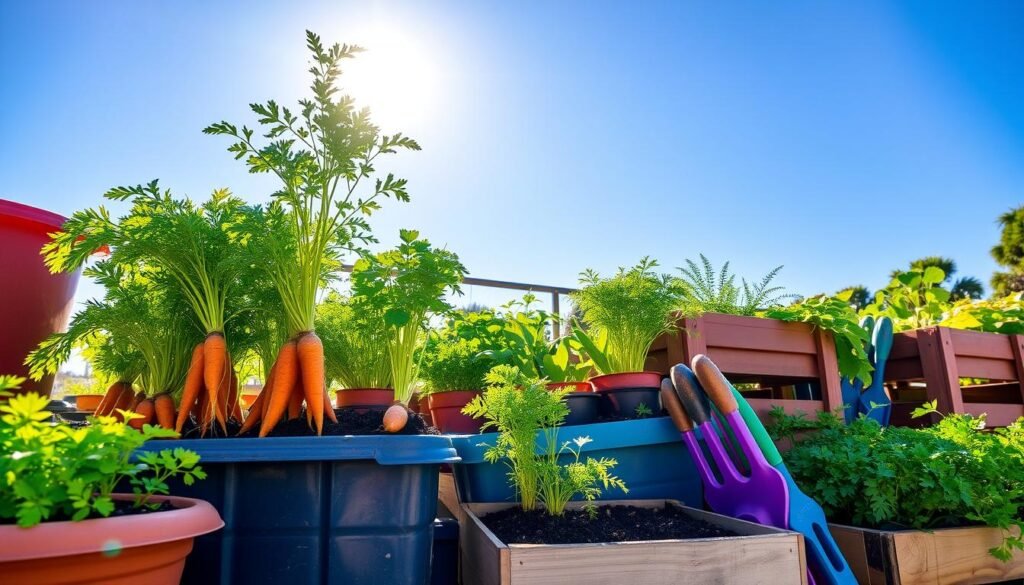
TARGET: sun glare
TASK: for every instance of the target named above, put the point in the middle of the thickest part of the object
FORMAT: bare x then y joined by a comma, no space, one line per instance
395,76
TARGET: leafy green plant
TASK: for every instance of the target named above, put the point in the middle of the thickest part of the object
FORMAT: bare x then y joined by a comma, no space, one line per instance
952,473
833,314
1001,315
526,417
705,290
404,287
913,299
355,344
455,364
526,345
630,310
56,472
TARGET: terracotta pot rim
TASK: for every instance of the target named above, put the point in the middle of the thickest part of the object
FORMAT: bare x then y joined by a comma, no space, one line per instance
606,382
451,398
189,518
344,390
42,217
580,386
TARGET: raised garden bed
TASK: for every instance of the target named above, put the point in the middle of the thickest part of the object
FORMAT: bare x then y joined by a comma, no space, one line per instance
775,355
309,510
652,460
910,557
941,358
755,554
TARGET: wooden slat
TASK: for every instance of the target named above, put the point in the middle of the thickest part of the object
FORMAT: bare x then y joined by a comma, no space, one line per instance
448,494
980,344
765,363
904,346
762,406
693,339
996,414
904,369
940,369
758,334
1017,344
828,369
987,368
958,555
1006,392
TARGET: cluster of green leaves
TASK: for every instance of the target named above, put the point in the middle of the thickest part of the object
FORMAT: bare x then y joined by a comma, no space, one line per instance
458,355
53,471
628,311
403,288
1000,315
705,290
836,315
913,299
542,470
355,344
323,155
948,474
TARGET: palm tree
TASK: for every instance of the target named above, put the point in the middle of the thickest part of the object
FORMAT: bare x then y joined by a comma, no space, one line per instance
967,287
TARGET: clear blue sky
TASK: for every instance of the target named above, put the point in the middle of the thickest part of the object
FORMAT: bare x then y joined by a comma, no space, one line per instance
841,139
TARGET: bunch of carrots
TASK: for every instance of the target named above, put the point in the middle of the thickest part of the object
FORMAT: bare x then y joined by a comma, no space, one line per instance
211,387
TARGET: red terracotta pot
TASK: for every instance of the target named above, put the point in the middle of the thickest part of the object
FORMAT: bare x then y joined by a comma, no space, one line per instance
124,550
446,410
248,400
365,398
573,386
33,302
626,380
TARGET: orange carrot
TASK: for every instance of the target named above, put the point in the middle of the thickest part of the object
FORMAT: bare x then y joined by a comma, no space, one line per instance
232,407
329,407
267,389
164,406
109,398
124,402
215,373
285,375
145,408
205,413
256,412
311,363
139,397
295,400
193,387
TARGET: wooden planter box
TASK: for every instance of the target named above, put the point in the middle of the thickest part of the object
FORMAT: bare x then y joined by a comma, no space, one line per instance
760,555
940,357
906,557
774,354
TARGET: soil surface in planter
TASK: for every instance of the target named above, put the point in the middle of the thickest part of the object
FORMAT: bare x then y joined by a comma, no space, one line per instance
121,508
611,524
349,422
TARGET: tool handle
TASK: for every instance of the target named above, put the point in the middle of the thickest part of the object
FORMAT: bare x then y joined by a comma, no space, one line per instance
670,401
690,394
714,383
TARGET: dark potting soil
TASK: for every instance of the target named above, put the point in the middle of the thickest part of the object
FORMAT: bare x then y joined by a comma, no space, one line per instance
350,422
611,524
121,508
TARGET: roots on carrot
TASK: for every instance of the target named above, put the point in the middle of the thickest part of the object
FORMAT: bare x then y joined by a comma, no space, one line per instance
215,375
164,406
310,352
144,408
193,387
283,382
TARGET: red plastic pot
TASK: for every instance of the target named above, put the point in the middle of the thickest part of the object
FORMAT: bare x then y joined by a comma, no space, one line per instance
365,398
446,410
123,550
573,386
626,380
88,402
33,302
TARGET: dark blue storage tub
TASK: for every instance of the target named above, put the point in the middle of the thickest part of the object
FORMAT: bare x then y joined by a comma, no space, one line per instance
652,460
348,510
445,568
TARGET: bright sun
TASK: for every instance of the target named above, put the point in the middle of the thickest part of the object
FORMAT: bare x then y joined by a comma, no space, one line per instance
395,76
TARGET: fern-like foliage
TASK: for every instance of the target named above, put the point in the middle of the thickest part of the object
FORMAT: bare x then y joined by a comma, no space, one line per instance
706,290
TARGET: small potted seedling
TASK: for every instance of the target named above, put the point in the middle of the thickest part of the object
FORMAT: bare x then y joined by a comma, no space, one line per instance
60,518
622,316
355,353
556,532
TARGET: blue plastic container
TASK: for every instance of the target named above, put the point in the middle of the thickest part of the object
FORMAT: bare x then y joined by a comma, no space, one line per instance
445,568
354,510
652,460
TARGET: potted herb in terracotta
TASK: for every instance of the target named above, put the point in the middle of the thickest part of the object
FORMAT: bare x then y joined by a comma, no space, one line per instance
939,504
622,316
548,538
453,369
60,520
355,353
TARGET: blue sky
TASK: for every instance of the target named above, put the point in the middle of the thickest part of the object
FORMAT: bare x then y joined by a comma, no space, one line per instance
840,139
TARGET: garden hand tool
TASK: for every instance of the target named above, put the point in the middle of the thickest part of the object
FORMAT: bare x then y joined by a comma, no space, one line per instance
852,388
760,496
825,560
881,340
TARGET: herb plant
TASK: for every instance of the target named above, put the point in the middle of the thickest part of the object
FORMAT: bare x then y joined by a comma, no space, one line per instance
325,156
404,287
527,346
913,299
1000,315
706,291
953,473
355,344
630,309
454,364
56,472
526,417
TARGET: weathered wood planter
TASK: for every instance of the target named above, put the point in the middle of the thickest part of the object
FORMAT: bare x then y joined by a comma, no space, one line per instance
760,555
941,358
774,354
906,557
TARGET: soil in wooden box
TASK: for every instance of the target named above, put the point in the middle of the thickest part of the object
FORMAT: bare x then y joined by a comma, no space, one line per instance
599,524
